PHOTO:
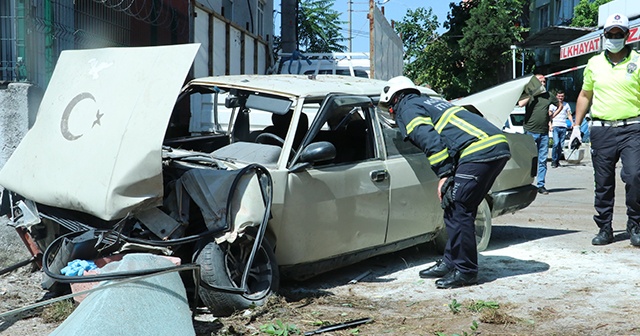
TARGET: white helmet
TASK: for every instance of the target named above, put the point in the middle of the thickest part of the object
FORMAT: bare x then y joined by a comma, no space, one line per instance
394,85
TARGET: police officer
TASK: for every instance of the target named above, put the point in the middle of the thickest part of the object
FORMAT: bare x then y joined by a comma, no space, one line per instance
467,153
612,87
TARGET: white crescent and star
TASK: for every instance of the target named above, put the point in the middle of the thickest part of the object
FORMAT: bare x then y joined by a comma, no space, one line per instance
64,121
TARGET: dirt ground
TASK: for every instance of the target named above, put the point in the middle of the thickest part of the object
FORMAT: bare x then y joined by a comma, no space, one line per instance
539,276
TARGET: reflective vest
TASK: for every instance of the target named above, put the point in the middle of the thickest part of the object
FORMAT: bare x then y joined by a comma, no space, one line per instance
448,134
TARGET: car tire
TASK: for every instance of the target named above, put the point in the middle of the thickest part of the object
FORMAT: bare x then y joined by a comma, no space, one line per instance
222,265
482,225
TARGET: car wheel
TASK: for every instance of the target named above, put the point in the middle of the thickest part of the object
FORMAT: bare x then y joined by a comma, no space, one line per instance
483,229
222,265
483,226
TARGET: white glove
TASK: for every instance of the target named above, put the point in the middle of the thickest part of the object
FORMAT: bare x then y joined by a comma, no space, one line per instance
575,134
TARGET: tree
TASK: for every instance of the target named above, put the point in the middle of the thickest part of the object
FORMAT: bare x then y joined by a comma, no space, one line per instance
319,27
472,55
491,29
586,13
417,30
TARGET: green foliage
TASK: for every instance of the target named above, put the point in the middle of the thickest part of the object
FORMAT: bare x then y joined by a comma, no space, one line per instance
473,327
472,55
454,306
279,328
489,32
586,13
479,305
58,311
319,27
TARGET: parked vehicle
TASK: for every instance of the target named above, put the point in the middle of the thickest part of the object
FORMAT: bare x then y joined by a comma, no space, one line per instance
515,122
112,156
344,64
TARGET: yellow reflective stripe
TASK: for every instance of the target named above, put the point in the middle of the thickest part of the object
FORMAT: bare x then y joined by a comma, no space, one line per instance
417,121
450,112
482,144
468,128
438,157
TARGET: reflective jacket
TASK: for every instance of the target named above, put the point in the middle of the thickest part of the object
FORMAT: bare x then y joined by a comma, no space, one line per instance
448,134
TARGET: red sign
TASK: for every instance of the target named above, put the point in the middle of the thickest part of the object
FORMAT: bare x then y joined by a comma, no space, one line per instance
593,45
634,35
580,48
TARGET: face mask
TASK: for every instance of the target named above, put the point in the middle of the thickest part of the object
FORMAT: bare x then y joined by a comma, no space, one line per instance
613,45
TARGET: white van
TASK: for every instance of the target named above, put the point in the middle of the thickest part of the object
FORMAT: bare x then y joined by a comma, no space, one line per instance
345,64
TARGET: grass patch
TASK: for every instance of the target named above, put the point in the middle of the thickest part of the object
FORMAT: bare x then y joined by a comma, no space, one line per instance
58,311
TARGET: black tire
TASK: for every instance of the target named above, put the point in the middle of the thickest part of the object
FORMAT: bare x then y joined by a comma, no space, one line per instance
483,229
222,265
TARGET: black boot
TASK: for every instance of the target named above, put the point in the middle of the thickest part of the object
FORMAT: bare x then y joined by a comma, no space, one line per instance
635,235
438,270
457,279
605,236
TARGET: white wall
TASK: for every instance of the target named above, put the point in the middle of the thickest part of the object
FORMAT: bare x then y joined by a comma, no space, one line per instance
630,8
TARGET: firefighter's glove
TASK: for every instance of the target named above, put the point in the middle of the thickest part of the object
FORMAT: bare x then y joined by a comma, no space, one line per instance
575,139
447,193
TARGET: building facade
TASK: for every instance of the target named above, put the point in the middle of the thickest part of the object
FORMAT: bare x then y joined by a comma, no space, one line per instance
236,36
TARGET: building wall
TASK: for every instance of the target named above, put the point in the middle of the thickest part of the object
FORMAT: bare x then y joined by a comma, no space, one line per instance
19,104
245,14
629,8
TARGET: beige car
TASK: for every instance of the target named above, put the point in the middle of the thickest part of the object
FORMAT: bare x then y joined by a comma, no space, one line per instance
251,177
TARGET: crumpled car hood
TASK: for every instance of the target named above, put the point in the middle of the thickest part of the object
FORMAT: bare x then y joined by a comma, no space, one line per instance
96,144
496,103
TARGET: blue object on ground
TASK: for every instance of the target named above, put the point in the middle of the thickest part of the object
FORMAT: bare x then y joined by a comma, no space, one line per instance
77,267
152,306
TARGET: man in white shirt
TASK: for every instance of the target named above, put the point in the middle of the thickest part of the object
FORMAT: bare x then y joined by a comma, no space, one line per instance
560,114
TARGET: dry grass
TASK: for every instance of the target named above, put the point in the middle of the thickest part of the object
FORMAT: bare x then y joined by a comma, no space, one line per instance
58,311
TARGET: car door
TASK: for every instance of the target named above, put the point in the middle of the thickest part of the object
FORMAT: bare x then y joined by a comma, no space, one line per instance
414,205
337,207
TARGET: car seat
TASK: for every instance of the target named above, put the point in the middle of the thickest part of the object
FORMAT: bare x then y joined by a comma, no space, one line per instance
281,124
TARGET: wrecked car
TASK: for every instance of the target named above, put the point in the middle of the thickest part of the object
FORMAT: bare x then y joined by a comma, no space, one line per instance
252,177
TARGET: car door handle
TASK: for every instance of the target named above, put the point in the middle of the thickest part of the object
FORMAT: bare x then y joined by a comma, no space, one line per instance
378,175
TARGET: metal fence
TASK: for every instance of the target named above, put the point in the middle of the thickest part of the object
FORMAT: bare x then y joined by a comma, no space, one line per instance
33,33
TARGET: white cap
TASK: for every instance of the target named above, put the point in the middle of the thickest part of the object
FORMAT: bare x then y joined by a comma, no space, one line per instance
616,20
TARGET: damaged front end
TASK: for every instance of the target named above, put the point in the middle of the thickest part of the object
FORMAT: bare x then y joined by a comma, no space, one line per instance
91,179
205,206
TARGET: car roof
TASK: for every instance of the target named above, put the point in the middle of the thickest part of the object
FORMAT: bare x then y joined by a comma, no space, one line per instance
300,85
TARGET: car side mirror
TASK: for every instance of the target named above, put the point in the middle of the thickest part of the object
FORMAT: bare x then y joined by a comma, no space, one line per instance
315,152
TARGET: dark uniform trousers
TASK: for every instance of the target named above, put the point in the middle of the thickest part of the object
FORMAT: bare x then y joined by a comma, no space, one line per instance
608,145
471,183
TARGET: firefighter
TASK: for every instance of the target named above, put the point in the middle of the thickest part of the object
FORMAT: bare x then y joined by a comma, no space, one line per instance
467,153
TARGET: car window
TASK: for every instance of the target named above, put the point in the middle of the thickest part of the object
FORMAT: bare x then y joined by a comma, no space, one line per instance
341,72
517,119
394,143
345,122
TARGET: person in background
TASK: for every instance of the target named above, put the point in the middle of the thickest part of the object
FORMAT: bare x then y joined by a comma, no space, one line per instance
560,119
536,124
467,153
612,87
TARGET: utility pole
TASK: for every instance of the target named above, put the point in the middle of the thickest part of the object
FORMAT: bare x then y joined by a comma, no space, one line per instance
513,58
288,25
350,37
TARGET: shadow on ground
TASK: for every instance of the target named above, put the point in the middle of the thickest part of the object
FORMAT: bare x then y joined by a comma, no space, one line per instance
558,190
378,269
508,235
499,267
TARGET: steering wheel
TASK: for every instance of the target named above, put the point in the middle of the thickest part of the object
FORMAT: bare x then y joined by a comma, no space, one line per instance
271,139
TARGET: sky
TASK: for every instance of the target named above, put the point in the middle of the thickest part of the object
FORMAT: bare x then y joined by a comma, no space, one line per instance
393,9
